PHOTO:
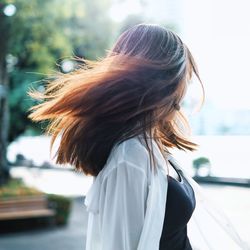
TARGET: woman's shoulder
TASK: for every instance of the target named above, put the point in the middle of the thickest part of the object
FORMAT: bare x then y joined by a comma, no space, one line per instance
130,151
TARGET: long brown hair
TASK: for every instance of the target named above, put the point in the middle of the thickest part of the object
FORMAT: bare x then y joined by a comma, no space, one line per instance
133,90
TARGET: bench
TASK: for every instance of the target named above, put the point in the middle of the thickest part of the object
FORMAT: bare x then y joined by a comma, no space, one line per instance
25,207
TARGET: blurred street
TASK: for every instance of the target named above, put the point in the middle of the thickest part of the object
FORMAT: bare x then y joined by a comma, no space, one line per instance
73,235
231,199
69,237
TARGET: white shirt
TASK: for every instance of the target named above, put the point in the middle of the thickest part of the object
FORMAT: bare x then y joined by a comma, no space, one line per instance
126,203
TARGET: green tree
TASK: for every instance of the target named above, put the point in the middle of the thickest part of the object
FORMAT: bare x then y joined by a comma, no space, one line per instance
35,41
4,89
201,162
45,33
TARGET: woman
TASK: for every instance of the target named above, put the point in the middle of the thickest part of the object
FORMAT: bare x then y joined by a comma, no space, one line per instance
118,118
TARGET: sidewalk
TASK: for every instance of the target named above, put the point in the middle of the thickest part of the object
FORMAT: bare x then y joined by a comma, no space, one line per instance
73,236
70,237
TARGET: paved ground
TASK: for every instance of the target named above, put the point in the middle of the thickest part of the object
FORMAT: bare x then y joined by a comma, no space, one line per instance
70,237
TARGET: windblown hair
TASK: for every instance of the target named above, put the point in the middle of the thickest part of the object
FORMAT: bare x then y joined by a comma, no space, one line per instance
133,90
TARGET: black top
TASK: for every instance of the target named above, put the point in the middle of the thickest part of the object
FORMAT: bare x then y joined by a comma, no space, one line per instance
179,208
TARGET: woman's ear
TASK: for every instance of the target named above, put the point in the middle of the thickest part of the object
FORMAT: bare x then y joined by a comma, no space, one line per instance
177,106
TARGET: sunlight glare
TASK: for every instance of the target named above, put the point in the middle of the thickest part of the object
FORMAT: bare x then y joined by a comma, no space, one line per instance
119,11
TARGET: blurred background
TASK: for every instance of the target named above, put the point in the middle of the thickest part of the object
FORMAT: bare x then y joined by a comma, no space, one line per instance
40,201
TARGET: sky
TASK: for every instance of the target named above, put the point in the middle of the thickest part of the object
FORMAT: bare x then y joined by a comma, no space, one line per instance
218,35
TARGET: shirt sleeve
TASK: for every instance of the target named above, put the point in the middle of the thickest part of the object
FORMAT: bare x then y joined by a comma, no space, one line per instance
123,207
